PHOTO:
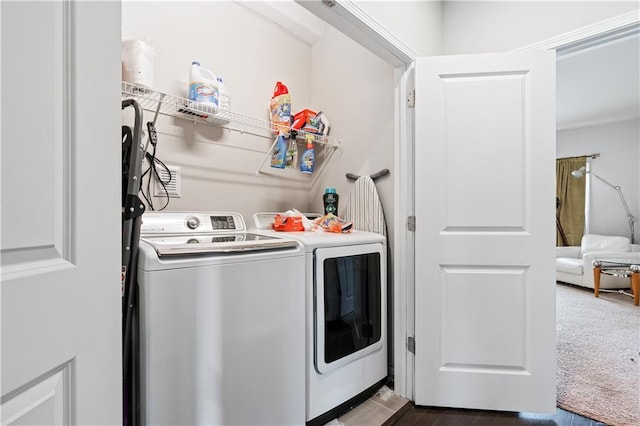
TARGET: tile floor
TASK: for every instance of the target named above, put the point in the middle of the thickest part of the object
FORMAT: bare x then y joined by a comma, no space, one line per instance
382,408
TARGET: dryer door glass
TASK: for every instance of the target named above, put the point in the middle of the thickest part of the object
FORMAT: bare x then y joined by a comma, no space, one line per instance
352,304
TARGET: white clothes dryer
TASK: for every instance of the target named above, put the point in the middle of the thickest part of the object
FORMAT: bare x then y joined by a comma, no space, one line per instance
222,322
346,318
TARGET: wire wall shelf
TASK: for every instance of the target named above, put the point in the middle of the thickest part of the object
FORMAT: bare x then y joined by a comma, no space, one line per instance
175,106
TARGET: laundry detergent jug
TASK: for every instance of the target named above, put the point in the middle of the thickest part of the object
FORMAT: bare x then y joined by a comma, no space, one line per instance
203,89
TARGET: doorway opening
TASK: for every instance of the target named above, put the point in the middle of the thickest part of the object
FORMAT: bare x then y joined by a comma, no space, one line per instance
403,59
598,121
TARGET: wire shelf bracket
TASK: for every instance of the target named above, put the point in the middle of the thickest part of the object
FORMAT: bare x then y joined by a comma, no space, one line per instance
161,103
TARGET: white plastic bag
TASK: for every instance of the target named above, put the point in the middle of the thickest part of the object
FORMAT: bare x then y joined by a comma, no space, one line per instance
306,223
137,62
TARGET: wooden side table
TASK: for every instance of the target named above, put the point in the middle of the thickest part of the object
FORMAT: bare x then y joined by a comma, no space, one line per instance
617,269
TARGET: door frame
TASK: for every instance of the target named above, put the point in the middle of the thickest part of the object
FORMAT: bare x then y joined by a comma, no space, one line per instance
591,35
348,17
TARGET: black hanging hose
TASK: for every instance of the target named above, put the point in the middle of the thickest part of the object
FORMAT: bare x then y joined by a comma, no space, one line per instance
132,209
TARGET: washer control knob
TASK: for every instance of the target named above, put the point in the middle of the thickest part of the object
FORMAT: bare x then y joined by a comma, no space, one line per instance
193,222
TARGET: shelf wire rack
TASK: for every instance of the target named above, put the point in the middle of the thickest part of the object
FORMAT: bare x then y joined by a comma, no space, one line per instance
176,106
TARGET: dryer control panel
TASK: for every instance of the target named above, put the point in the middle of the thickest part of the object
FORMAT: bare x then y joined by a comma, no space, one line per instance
223,222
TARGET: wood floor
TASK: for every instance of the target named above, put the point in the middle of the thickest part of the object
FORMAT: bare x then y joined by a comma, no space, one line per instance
428,416
385,408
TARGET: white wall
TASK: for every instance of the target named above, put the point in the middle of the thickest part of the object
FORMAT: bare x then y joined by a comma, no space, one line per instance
362,118
599,85
353,87
497,26
365,117
417,23
250,54
619,147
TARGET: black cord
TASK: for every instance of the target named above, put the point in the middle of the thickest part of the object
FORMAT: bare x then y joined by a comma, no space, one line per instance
152,171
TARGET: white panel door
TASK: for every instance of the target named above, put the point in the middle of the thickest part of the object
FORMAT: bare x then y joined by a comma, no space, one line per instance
485,283
60,292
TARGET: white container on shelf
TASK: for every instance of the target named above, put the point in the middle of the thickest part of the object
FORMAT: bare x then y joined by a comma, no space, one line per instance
137,62
203,89
224,100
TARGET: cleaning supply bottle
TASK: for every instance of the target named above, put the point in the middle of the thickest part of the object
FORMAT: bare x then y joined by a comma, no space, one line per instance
292,154
308,159
279,152
280,109
224,99
330,201
203,88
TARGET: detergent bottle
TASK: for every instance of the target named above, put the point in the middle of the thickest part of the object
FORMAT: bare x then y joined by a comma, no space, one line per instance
203,88
330,201
280,109
279,152
308,159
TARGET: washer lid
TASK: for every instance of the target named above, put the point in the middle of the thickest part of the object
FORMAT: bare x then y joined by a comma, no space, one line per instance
180,245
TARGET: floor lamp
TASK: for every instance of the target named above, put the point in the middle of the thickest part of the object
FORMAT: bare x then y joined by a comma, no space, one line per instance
632,219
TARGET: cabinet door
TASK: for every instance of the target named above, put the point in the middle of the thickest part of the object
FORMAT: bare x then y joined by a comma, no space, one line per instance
61,303
484,202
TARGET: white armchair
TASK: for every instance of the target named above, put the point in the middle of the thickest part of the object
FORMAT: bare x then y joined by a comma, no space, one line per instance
574,263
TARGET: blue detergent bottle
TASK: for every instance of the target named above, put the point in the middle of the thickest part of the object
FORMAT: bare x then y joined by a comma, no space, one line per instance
278,155
308,159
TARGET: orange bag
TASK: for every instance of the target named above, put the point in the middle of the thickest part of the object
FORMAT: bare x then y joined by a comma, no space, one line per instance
332,223
287,223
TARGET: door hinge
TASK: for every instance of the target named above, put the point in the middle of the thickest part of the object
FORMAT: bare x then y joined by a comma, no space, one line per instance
411,223
411,99
411,344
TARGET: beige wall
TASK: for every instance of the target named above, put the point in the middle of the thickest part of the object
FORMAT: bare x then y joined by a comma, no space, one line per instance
495,26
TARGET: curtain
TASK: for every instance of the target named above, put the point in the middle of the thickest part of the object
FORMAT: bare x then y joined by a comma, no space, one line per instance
570,193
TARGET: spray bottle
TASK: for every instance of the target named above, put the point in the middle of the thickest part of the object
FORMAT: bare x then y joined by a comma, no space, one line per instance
308,160
292,153
279,151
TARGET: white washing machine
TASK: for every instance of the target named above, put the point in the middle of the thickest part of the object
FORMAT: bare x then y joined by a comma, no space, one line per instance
222,322
346,317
